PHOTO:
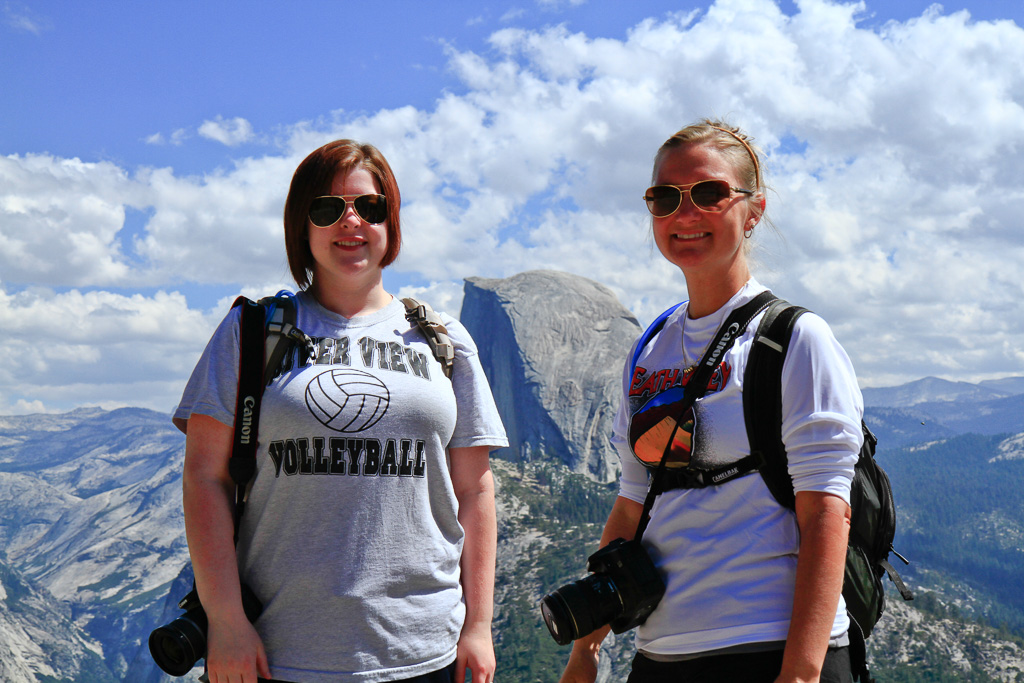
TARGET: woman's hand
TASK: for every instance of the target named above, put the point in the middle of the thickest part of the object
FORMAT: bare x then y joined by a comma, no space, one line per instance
582,664
586,651
235,652
476,655
474,489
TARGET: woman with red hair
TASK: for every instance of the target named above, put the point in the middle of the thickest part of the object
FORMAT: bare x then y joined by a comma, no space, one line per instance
369,532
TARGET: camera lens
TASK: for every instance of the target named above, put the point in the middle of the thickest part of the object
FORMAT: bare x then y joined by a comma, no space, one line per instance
579,608
177,646
558,618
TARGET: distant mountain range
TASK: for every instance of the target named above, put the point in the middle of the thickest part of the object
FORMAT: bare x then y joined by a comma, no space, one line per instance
92,530
934,390
94,555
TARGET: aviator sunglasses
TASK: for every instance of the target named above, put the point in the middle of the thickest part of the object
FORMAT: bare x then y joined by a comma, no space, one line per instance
328,210
707,195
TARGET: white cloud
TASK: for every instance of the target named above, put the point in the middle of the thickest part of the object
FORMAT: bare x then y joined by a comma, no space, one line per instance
60,219
22,407
512,14
893,154
21,18
223,227
179,137
558,4
230,132
97,348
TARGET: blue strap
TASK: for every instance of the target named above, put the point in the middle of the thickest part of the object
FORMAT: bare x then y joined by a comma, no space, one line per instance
284,293
651,330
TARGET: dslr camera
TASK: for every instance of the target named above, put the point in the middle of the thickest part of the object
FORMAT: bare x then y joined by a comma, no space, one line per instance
623,589
177,646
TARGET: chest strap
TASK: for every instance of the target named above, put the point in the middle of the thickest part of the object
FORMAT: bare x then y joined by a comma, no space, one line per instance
688,478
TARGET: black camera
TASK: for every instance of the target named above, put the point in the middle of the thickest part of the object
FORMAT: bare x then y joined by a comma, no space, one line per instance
623,589
177,646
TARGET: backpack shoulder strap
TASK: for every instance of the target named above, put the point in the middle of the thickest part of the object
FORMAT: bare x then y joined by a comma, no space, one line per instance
651,330
762,397
429,322
281,333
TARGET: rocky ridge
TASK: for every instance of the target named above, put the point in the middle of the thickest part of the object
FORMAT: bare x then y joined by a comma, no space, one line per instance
553,346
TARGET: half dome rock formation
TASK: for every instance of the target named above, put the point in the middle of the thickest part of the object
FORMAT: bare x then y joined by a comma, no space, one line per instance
553,346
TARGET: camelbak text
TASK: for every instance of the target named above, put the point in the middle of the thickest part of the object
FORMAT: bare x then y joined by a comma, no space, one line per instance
724,475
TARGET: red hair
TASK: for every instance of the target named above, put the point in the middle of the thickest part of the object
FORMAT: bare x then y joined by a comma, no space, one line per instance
313,179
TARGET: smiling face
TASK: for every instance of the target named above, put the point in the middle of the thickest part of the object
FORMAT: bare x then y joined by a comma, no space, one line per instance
349,252
704,245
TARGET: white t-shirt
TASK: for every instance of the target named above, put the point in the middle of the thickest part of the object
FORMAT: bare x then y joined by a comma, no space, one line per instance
350,536
729,552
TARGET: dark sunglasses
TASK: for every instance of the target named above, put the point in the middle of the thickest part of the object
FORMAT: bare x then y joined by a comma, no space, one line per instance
658,425
706,195
328,210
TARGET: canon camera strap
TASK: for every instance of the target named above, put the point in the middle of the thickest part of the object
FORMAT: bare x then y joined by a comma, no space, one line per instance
252,339
697,385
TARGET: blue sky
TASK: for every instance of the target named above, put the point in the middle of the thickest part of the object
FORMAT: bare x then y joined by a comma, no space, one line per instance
145,149
95,80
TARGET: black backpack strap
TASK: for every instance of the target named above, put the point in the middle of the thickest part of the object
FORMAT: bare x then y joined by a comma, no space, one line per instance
687,478
242,464
762,397
859,654
894,575
433,328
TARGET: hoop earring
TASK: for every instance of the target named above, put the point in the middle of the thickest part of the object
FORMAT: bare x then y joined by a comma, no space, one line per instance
747,233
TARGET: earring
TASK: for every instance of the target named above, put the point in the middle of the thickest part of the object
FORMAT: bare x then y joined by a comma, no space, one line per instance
747,233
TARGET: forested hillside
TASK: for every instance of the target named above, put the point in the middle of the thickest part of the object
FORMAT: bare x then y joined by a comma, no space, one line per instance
961,522
961,513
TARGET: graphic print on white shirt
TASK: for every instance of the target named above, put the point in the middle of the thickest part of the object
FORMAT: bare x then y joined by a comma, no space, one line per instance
655,396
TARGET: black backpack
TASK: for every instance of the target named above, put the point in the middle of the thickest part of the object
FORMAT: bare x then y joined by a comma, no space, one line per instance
873,510
873,520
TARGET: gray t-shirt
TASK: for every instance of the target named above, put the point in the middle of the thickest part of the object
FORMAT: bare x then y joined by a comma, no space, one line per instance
350,536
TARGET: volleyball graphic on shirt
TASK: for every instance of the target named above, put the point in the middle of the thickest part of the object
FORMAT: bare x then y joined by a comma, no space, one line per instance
347,400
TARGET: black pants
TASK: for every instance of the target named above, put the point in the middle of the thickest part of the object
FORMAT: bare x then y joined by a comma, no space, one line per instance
748,667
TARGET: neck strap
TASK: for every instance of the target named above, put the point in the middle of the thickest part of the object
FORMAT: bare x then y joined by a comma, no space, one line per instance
242,464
